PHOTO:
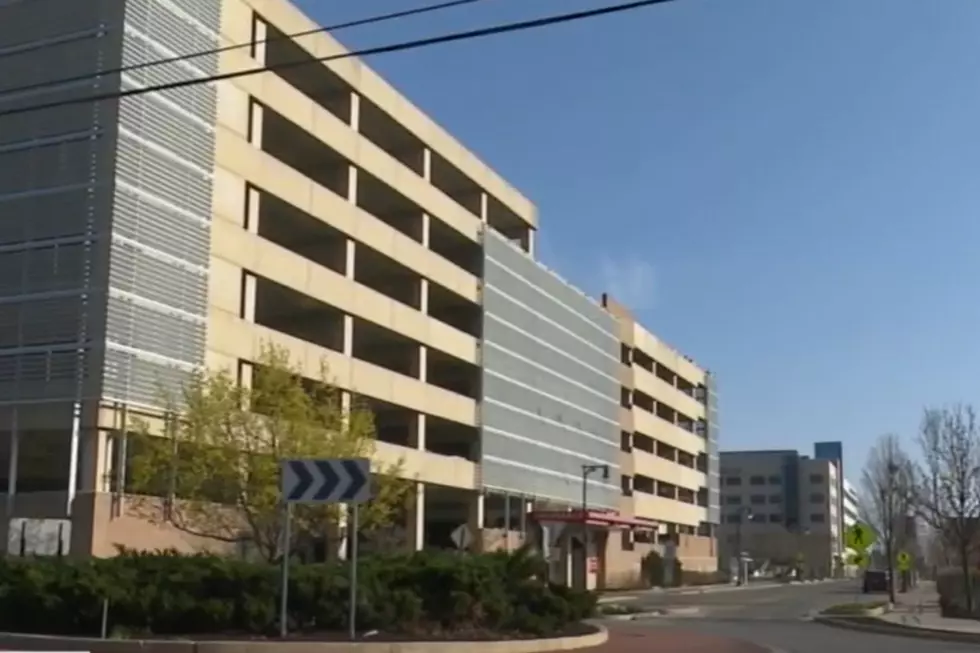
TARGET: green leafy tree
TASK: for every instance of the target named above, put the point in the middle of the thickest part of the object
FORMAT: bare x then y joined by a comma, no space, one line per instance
216,460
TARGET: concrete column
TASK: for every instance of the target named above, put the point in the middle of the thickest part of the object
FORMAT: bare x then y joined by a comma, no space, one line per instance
246,372
530,241
426,225
12,468
427,164
251,217
352,185
420,425
256,112
355,111
416,530
259,35
248,297
350,259
424,296
423,363
476,520
484,208
348,340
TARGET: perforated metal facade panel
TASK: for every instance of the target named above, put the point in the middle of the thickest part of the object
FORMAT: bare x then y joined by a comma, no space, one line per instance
158,279
714,477
55,191
550,391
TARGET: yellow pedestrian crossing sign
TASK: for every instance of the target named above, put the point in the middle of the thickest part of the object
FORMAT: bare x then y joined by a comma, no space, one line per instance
904,561
859,537
860,559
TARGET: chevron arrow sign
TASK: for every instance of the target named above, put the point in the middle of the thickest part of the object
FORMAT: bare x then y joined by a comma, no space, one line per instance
326,481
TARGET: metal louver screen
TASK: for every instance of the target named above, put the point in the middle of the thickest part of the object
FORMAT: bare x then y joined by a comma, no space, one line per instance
156,326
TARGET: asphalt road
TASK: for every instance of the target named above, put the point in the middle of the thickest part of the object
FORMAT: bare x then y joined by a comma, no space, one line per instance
776,618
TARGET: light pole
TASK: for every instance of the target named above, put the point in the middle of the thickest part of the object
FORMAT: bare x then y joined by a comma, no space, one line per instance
890,519
588,470
744,513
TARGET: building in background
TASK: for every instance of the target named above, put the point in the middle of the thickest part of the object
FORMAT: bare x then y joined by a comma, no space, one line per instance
850,505
669,460
316,209
778,506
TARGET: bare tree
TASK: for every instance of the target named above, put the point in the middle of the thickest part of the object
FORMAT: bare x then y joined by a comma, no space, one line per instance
948,483
888,483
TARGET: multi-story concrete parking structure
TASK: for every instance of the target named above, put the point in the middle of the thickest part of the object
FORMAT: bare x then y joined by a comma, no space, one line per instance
669,453
311,207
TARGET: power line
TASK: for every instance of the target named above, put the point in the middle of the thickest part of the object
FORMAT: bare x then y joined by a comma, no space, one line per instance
385,49
381,18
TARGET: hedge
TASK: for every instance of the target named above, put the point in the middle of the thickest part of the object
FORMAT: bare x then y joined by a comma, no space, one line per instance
166,594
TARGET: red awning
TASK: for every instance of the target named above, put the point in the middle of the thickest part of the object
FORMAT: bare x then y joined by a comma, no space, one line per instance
603,518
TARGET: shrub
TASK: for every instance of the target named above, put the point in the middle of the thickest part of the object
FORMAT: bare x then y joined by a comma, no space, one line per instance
170,594
854,609
653,570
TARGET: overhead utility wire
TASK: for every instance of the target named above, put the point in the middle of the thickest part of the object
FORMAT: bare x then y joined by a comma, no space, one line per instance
384,49
371,20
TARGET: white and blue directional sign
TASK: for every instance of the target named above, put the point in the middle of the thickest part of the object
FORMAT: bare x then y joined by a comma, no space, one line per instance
326,481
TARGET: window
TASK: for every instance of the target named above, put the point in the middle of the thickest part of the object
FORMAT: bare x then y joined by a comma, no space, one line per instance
758,499
775,498
627,539
757,480
624,398
733,480
627,484
733,501
734,518
775,480
625,355
816,478
817,497
817,518
775,518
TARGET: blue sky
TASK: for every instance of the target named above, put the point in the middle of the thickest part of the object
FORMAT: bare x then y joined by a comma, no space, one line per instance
786,190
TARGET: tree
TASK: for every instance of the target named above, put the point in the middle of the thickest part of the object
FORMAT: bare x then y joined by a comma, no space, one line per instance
948,488
217,460
888,483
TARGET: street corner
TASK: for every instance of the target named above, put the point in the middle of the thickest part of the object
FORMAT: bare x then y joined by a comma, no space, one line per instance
633,638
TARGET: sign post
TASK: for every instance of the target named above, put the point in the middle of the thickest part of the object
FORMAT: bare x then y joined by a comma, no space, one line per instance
323,481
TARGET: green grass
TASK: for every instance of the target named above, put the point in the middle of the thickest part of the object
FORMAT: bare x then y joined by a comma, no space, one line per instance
619,608
854,609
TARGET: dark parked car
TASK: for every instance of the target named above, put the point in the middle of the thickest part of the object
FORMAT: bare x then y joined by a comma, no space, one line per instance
876,581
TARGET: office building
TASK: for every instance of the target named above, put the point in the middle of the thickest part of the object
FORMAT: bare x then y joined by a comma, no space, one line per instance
316,209
780,507
850,504
669,460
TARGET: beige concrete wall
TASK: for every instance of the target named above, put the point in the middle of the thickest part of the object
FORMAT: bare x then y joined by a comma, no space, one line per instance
237,28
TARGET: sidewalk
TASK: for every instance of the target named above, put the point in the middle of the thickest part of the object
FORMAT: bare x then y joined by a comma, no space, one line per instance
919,608
637,639
915,614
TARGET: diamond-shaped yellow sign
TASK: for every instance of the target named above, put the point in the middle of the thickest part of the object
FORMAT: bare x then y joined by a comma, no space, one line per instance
859,537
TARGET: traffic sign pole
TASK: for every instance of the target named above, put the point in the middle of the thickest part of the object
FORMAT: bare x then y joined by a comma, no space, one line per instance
344,481
353,571
287,519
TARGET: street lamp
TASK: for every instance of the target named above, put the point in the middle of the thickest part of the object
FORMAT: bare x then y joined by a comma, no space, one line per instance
588,470
744,513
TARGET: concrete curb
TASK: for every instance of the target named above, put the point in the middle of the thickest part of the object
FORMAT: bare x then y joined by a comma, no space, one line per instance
687,611
874,625
23,642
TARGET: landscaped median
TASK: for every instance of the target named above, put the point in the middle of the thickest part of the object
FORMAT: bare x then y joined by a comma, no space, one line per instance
185,604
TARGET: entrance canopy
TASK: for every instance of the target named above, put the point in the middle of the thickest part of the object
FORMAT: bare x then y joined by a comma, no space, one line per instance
601,518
